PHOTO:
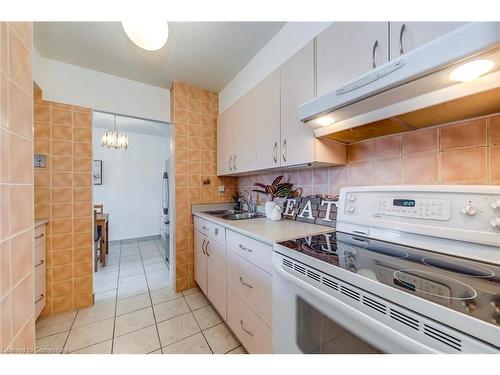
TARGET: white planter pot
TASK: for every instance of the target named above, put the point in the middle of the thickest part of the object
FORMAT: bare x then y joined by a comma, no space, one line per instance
269,208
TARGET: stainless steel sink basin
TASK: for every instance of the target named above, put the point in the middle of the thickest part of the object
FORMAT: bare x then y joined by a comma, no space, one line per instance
234,214
242,216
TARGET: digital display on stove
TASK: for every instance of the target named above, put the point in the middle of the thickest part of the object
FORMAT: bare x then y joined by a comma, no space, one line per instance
404,202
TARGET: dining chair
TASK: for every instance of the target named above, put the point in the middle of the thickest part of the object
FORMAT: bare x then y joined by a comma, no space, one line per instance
97,243
99,208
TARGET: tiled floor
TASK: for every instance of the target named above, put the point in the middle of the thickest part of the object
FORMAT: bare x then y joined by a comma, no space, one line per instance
137,311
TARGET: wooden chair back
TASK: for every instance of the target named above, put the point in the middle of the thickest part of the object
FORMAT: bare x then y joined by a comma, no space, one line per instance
99,208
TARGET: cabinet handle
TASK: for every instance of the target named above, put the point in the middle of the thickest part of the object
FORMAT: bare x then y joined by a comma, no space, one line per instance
284,151
275,155
401,32
206,248
245,248
39,264
202,249
234,163
244,283
229,162
375,46
39,236
39,298
245,330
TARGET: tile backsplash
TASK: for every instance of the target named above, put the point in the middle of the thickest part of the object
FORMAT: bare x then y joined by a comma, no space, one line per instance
63,194
465,152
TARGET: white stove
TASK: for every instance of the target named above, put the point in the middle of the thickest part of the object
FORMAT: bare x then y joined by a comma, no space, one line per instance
408,270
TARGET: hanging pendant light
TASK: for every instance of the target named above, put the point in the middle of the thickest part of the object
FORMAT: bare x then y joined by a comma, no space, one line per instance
114,139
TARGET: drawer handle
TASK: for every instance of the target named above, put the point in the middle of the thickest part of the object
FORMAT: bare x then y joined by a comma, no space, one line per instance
206,248
39,299
202,249
39,236
205,228
244,283
245,330
39,264
245,248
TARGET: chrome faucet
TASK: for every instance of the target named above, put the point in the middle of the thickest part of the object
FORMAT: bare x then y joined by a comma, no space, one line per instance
248,200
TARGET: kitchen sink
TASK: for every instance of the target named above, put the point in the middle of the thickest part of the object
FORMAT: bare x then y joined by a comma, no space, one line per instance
234,214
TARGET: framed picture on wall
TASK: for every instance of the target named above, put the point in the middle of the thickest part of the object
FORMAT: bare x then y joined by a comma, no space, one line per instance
97,172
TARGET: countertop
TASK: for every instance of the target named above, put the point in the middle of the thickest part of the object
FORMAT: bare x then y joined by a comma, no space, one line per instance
268,231
39,222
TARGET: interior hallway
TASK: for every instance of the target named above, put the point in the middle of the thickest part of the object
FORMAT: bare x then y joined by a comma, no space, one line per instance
137,311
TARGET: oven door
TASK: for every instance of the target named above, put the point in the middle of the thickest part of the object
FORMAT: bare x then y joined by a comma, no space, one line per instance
308,320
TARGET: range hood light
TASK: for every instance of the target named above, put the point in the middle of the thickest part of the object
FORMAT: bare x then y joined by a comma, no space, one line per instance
471,70
325,120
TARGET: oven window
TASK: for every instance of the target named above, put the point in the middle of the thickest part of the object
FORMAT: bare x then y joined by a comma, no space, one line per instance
318,334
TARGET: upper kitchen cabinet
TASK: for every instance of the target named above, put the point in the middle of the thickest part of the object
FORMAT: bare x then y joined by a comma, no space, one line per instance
225,142
267,125
298,143
345,50
405,36
245,136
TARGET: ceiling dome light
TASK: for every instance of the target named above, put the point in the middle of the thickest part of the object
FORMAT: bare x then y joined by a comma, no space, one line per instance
150,36
471,70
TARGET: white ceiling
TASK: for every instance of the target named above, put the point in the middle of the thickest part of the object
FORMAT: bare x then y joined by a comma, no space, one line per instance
126,124
205,54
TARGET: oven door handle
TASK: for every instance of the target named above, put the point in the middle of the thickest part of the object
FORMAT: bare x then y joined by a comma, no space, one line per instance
346,310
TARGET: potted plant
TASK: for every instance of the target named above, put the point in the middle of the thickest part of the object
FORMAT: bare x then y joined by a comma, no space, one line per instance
275,190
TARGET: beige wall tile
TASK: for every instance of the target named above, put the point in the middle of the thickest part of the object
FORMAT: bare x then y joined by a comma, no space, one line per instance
20,120
464,166
465,134
22,256
20,63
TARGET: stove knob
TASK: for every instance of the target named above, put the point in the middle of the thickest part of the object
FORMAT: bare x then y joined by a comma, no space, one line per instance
496,205
351,209
495,222
469,209
495,305
351,197
469,306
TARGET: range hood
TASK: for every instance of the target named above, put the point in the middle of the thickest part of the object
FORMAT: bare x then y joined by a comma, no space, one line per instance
414,90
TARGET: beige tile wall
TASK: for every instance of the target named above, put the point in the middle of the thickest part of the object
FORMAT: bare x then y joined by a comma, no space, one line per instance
465,152
63,194
17,323
194,115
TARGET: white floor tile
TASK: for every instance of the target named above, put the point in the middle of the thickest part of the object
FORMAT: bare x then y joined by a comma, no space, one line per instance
169,309
138,342
238,350
177,328
90,334
52,344
133,303
220,339
191,291
104,297
133,321
101,348
195,344
164,294
207,317
95,313
196,301
54,324
105,286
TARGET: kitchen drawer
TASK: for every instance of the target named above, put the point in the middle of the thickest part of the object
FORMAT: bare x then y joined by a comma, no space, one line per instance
40,256
252,285
40,289
254,251
252,332
210,229
40,235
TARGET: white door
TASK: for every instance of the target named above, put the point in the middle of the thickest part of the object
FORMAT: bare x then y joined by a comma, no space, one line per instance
267,126
200,260
225,142
245,135
346,50
216,275
297,87
406,36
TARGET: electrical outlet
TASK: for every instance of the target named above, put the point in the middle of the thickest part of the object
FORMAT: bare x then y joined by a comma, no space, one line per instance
222,189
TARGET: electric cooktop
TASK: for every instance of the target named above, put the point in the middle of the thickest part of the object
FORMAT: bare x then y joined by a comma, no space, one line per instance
468,286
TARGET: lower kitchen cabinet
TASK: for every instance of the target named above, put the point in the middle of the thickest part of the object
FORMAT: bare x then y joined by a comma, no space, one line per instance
210,270
40,269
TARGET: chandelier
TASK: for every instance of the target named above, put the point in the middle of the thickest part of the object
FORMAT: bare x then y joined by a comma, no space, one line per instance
114,139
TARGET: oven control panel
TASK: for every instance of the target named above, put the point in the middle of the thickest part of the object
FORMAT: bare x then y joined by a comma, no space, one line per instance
434,209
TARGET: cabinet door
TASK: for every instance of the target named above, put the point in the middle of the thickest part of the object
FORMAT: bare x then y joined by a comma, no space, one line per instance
345,51
267,124
297,87
216,275
416,34
200,261
225,129
245,136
